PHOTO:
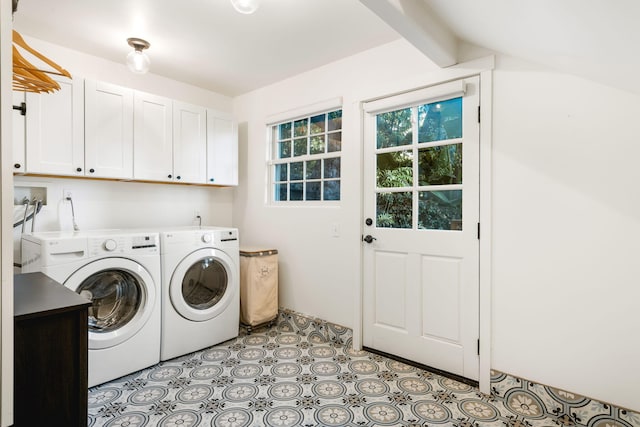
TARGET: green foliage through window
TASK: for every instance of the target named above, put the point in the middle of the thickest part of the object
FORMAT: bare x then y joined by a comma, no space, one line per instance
306,158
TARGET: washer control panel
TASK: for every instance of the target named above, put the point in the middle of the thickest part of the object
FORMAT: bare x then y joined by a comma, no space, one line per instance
123,244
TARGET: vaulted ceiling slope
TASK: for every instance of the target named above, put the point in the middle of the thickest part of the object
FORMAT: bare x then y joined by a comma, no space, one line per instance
208,44
595,39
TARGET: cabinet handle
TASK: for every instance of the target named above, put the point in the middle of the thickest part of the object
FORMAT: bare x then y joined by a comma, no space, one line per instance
78,169
92,170
17,165
178,177
211,179
22,108
169,176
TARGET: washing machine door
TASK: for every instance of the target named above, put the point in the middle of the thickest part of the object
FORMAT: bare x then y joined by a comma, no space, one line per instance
203,284
123,295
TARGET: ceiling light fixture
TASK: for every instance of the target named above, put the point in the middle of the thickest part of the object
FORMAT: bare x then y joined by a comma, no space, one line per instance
246,6
137,60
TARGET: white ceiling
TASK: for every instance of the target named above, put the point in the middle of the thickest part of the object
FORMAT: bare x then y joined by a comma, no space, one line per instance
208,44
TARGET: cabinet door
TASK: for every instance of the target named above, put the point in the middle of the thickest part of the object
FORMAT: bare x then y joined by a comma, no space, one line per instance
222,149
189,143
152,138
109,130
18,137
55,130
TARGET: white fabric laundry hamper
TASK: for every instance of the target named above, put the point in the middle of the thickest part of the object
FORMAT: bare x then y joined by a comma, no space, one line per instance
258,286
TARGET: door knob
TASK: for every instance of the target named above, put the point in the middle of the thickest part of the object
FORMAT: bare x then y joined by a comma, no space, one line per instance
368,238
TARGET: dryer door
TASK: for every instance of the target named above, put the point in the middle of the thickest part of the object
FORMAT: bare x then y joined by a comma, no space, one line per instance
203,284
123,295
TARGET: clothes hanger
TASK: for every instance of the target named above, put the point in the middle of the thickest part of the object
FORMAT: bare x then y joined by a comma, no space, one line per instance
27,77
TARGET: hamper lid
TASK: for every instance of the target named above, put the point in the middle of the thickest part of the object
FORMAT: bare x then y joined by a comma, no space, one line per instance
257,251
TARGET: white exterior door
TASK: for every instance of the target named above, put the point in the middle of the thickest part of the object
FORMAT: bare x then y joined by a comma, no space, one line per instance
421,207
108,130
153,138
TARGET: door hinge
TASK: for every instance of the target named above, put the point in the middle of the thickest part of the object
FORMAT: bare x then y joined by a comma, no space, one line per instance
478,231
478,346
478,114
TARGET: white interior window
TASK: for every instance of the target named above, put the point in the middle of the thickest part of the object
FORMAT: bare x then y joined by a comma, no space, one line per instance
305,158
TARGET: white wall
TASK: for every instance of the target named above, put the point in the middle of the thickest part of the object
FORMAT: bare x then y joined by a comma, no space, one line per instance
566,227
318,272
565,217
112,204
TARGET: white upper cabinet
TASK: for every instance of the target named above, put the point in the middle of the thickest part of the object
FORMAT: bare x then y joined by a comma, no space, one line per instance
189,143
222,149
100,130
152,138
108,130
55,130
18,137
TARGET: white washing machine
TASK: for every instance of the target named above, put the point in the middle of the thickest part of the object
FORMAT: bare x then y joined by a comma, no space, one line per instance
120,273
200,288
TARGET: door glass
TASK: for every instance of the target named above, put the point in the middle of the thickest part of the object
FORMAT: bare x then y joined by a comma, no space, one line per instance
440,210
440,120
394,169
421,165
394,210
394,128
204,283
116,297
440,165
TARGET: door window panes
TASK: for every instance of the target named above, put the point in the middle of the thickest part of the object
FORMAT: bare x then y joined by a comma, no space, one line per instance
394,128
116,296
440,210
394,210
306,156
394,169
419,151
440,165
204,283
439,121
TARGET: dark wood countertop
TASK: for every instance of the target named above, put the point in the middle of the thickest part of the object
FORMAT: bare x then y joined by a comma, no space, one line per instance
36,294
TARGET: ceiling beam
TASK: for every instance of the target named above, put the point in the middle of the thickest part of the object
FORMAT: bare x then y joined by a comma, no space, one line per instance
413,20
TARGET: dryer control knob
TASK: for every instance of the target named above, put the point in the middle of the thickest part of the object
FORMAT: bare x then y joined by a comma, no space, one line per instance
206,238
110,245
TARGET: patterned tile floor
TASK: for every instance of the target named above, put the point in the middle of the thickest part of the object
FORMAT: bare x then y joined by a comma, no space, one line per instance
277,378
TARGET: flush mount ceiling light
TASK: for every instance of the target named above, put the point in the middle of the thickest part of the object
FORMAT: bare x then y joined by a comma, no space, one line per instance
137,60
246,6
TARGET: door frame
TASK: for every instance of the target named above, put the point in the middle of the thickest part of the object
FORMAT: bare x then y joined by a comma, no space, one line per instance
483,68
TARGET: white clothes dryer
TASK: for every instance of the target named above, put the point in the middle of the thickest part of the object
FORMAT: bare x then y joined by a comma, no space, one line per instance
200,288
120,273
